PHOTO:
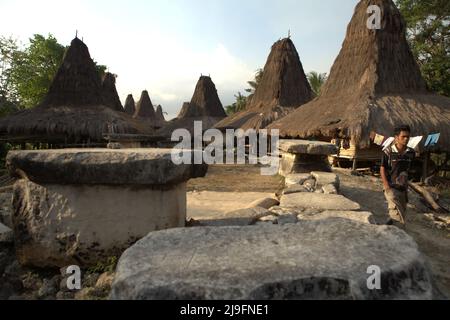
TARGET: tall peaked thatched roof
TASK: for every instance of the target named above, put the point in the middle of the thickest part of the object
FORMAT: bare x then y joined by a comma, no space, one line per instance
110,95
144,107
374,85
73,109
283,87
205,106
160,113
130,105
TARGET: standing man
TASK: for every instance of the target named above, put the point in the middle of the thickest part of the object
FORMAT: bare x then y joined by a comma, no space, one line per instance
395,165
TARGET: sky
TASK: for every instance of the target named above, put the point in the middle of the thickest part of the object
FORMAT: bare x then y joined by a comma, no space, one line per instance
164,46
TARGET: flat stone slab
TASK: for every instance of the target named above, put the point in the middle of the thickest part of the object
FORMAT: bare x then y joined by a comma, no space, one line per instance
208,204
360,216
326,178
102,166
295,189
325,259
243,217
297,178
318,201
265,203
308,147
6,234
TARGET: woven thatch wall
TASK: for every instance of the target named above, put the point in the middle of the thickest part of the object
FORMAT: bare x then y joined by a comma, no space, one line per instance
283,87
110,96
374,85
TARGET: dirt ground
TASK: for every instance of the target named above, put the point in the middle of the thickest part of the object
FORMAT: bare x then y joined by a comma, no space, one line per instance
431,231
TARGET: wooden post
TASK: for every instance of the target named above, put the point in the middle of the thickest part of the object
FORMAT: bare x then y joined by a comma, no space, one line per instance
355,164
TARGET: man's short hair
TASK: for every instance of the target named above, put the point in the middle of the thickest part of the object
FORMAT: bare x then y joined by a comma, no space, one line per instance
403,128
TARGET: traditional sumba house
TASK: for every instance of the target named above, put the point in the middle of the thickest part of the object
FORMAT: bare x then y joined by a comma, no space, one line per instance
109,91
160,114
205,106
146,112
374,85
130,105
283,88
73,111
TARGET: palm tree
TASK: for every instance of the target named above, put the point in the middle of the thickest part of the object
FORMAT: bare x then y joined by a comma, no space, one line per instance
255,83
316,81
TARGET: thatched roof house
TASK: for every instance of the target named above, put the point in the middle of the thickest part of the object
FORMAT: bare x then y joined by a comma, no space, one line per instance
374,85
144,107
283,88
109,91
160,113
73,110
130,105
205,106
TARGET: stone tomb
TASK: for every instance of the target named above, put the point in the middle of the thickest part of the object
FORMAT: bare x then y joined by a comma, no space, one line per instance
80,206
301,156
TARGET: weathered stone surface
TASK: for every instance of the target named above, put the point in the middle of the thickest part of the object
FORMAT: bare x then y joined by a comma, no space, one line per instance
297,179
325,259
279,211
325,178
318,201
60,225
6,209
287,218
271,218
302,163
295,189
308,147
6,234
329,189
265,203
102,166
310,185
360,216
243,217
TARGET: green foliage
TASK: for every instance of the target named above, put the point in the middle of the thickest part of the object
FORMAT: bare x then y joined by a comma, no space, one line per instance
316,81
26,74
33,69
428,24
104,266
241,100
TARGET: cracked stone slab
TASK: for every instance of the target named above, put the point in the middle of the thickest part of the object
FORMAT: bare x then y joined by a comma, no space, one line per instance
265,203
318,201
326,178
295,189
297,179
324,259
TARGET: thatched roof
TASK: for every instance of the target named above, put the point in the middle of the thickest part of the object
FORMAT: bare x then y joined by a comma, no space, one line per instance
73,109
160,113
205,106
144,107
130,105
110,95
374,85
283,88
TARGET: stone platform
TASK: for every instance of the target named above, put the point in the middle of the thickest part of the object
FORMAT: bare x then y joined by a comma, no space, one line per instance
323,259
80,206
302,156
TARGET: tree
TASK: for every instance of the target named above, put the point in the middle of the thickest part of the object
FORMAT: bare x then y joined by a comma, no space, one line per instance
316,81
26,74
255,83
428,33
33,69
239,105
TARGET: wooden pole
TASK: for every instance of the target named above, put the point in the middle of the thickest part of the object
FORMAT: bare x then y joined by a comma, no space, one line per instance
425,166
